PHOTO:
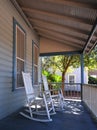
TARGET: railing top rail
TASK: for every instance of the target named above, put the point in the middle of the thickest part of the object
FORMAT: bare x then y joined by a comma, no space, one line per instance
61,83
90,85
64,83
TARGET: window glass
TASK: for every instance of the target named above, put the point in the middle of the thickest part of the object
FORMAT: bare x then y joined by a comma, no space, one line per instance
20,58
71,79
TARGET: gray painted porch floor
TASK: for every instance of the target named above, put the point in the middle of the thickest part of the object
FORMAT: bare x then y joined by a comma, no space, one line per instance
74,117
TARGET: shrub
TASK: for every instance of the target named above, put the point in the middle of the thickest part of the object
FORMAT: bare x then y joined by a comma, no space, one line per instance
52,77
92,80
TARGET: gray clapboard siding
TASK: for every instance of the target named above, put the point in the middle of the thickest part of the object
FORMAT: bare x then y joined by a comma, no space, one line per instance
5,43
7,52
6,62
3,65
5,40
5,80
4,26
12,101
6,74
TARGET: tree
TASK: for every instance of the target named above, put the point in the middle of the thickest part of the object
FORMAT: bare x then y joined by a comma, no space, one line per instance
63,62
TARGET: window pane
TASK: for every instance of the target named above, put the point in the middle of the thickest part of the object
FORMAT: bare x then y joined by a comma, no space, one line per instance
20,43
35,55
22,46
35,75
71,79
20,68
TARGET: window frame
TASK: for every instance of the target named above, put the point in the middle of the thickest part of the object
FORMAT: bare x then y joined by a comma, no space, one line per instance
14,79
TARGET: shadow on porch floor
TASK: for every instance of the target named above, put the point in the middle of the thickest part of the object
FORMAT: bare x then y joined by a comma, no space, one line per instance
74,117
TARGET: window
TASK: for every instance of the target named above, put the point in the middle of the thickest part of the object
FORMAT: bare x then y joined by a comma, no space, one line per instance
71,78
19,55
35,63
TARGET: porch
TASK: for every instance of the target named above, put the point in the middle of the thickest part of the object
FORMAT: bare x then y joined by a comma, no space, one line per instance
74,117
70,31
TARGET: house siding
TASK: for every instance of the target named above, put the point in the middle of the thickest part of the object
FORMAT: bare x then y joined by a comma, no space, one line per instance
10,101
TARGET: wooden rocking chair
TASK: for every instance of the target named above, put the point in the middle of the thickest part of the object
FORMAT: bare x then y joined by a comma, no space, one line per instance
43,107
57,97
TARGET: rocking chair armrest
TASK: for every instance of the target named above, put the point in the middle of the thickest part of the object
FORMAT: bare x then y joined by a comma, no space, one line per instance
31,94
34,94
46,91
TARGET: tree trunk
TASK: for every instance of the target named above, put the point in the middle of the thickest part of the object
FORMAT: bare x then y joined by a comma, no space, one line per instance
63,85
65,67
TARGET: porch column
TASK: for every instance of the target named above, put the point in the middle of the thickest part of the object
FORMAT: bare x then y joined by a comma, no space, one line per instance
82,72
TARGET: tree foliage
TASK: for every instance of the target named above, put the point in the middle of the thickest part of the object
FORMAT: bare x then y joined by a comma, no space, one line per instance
60,62
52,77
90,60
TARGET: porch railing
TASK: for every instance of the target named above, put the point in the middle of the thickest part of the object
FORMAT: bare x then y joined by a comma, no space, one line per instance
71,91
90,97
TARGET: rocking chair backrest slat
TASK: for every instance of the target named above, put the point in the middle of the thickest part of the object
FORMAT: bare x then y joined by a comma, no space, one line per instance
28,86
45,82
58,96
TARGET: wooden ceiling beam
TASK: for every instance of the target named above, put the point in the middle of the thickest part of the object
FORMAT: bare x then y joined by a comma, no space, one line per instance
56,36
60,16
46,23
60,40
63,34
74,3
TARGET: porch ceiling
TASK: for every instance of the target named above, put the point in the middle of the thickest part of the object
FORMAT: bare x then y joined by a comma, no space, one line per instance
70,23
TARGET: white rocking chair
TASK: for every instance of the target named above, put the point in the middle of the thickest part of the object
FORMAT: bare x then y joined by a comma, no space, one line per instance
37,113
57,97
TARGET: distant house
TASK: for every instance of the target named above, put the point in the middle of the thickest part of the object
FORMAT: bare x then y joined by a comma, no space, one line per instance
73,79
75,76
